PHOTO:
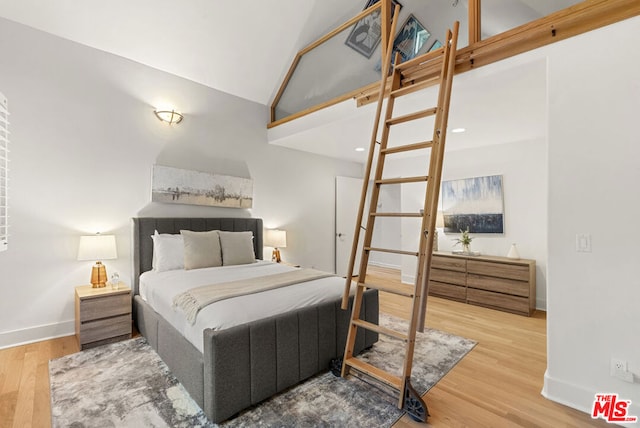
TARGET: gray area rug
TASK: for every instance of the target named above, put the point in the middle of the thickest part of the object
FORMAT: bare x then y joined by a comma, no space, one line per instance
125,384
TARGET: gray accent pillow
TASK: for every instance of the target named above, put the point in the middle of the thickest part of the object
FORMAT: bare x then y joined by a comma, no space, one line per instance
201,249
237,248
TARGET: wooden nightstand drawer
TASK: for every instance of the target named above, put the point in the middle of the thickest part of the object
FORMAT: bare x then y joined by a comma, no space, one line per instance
105,306
93,331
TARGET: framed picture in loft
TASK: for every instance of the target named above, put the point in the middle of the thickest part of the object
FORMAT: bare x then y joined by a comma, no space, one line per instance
409,42
366,34
411,38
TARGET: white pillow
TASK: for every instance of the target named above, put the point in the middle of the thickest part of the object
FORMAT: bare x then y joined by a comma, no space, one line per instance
168,252
201,249
237,248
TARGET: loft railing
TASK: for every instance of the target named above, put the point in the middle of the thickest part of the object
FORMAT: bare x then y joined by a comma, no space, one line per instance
319,77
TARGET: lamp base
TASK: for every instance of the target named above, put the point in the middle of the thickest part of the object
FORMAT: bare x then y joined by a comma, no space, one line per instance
275,256
98,275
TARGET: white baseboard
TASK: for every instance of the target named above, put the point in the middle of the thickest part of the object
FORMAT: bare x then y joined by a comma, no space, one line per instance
578,397
384,265
13,338
541,305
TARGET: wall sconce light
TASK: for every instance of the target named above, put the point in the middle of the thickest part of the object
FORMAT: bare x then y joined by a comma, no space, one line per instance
276,239
98,247
169,116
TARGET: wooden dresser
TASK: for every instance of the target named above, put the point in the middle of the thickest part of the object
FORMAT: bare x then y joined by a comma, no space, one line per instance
103,315
495,282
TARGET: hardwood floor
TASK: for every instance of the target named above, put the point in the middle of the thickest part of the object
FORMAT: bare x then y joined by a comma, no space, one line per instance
24,382
497,384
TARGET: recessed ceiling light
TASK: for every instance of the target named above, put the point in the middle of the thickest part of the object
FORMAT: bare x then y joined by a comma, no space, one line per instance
458,130
359,149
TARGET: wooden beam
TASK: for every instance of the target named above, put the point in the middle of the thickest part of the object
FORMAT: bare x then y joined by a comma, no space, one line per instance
566,23
577,19
475,27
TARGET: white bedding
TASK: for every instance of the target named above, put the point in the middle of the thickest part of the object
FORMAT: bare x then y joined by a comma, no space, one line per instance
159,288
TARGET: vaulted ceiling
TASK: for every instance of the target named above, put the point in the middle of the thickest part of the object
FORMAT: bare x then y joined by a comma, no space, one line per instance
242,47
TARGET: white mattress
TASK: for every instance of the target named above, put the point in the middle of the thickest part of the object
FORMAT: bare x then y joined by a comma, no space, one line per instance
159,288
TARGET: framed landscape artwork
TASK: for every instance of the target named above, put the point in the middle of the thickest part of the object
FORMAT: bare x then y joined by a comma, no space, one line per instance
474,203
367,32
182,186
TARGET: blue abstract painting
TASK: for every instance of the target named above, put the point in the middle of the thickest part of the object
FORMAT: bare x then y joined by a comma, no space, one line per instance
474,203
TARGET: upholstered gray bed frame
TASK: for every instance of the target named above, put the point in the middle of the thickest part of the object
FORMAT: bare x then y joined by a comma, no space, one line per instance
246,364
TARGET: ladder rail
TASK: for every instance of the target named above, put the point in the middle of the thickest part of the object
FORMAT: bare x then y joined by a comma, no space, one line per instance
407,395
367,174
435,176
368,233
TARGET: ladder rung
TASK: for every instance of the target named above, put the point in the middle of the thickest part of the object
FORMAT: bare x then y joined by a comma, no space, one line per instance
401,180
375,372
387,250
408,147
393,290
422,59
380,329
396,215
412,116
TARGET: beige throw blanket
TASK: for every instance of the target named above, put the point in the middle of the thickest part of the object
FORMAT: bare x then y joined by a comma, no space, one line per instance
193,300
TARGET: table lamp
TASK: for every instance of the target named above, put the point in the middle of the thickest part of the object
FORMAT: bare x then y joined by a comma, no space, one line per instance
277,239
97,248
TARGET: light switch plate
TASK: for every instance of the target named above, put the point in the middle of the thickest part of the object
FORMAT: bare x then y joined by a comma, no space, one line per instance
583,243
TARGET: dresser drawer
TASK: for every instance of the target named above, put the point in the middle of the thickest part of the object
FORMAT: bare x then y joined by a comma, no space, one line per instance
500,270
105,306
92,331
452,277
447,290
500,285
506,302
448,263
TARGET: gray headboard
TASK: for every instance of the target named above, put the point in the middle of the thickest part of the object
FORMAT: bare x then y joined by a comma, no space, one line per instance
144,227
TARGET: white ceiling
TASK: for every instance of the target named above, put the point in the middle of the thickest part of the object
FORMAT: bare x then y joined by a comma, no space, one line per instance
245,47
500,103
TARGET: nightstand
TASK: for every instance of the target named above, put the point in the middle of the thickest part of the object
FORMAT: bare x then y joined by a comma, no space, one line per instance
103,315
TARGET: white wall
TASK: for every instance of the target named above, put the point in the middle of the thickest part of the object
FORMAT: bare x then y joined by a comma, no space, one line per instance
524,173
594,171
387,232
84,139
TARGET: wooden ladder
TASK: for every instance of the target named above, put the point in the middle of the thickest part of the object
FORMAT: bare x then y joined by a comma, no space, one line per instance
444,58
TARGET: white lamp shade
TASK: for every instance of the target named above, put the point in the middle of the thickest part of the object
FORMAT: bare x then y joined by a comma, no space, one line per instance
275,238
97,247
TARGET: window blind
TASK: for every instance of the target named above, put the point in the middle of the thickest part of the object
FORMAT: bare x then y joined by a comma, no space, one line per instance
4,172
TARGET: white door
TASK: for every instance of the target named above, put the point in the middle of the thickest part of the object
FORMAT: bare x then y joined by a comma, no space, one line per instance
347,201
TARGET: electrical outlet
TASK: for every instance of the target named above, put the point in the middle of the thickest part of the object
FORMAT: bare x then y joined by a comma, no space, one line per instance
618,367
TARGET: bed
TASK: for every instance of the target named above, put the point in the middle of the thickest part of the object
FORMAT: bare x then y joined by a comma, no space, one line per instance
239,366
